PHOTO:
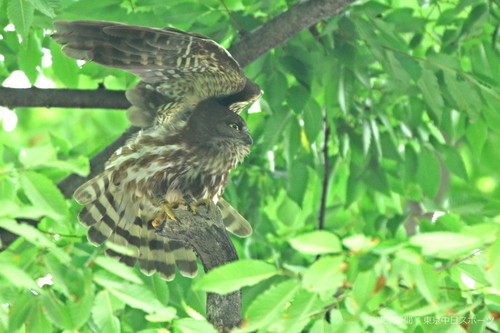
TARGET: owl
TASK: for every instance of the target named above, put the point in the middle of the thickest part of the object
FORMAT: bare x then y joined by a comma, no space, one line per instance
188,103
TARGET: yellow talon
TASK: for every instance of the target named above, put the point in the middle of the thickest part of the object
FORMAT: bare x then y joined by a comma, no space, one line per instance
167,212
194,206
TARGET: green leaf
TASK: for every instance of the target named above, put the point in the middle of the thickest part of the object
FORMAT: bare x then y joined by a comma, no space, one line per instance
65,68
344,90
296,98
494,262
20,309
475,272
136,296
363,287
166,314
321,326
316,242
453,161
269,305
20,13
474,23
445,244
74,312
44,7
476,134
57,312
367,137
275,92
35,237
313,120
44,194
298,315
233,276
17,276
297,186
404,21
37,320
376,137
427,281
103,313
324,275
428,173
115,267
30,57
464,94
188,325
429,87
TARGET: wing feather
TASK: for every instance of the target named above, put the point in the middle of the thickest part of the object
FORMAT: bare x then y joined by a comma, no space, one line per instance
180,67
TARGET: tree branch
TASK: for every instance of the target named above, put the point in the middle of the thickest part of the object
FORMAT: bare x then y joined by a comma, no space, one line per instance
65,98
206,234
326,174
279,30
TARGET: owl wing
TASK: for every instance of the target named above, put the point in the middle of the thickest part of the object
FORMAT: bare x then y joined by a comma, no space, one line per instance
177,68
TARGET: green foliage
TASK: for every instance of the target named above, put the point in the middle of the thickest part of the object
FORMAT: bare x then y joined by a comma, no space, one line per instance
409,93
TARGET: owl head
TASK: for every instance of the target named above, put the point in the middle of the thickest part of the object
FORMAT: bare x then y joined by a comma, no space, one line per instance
213,124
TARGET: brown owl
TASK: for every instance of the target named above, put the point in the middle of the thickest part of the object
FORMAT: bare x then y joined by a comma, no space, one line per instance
187,102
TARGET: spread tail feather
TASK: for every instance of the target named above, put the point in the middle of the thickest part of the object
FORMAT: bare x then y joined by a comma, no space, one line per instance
112,218
233,221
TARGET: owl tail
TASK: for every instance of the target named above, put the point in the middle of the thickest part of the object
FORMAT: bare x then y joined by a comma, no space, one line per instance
233,221
112,217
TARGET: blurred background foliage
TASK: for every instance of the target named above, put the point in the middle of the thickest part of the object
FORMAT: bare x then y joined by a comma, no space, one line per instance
374,148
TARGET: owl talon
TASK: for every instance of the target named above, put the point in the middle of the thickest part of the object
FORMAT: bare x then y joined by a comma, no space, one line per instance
194,206
167,212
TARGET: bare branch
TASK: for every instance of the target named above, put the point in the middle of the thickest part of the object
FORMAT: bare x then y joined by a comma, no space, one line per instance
66,98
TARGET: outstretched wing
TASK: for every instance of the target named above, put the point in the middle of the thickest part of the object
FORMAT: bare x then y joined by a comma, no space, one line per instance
177,68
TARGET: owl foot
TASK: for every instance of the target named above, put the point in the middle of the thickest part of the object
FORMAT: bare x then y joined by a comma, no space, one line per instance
167,212
194,206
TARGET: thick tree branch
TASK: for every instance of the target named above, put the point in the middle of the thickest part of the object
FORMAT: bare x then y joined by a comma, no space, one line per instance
279,30
66,98
206,234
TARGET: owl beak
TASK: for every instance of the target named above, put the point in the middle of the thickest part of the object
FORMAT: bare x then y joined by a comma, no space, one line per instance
247,139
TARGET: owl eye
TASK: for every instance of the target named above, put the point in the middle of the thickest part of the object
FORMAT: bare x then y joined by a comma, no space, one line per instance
234,126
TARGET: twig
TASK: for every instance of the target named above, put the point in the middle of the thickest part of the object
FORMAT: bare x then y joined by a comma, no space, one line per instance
326,174
240,28
457,261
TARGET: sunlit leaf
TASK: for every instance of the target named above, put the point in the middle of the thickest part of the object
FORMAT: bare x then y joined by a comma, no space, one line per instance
428,173
103,313
325,274
188,325
30,57
316,242
445,244
44,194
268,306
431,91
20,12
235,275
